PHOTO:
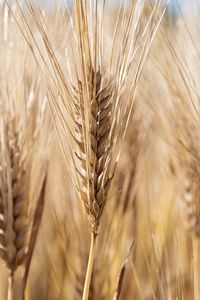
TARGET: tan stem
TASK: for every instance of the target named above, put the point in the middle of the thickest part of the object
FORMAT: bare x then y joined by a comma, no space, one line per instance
196,258
27,292
10,286
89,268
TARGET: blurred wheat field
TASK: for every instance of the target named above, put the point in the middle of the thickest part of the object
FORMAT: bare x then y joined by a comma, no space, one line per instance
153,199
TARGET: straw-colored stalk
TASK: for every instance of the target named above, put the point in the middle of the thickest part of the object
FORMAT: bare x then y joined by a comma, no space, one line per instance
196,268
18,209
93,109
10,286
89,267
190,198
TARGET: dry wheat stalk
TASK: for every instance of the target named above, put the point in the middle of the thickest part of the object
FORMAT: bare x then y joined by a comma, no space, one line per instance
94,99
17,209
190,196
91,105
13,191
90,102
184,89
182,84
96,164
187,150
187,141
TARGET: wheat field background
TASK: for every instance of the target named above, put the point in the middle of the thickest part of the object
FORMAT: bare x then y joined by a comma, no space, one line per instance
147,222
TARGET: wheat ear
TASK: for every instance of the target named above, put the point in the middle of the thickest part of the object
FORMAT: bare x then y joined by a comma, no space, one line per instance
14,223
190,198
189,158
17,209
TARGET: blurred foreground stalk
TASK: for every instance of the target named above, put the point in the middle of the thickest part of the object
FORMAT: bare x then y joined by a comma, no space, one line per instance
196,261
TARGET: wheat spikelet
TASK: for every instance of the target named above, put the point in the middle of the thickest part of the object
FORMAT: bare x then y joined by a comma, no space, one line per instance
99,157
16,208
190,194
13,192
19,198
187,143
190,197
183,116
183,88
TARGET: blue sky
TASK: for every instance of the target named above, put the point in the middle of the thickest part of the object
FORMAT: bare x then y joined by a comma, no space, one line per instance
173,5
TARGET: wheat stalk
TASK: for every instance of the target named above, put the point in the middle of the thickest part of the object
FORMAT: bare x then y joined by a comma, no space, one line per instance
183,115
17,208
187,144
14,225
94,99
91,104
190,197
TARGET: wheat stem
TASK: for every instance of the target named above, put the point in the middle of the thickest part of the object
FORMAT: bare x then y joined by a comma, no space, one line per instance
196,257
89,267
10,286
27,292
